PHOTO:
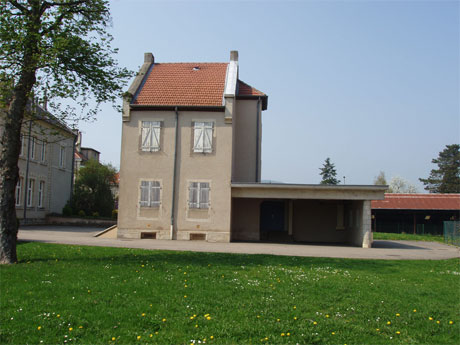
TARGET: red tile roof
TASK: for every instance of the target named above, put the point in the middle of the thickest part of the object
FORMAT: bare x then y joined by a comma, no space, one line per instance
184,84
247,90
418,202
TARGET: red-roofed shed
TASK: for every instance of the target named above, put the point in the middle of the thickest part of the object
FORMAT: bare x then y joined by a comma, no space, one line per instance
414,213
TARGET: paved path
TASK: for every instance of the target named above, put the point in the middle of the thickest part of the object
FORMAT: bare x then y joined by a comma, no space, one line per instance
390,250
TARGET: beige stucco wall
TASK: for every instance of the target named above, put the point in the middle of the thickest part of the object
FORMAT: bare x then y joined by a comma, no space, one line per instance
214,168
245,161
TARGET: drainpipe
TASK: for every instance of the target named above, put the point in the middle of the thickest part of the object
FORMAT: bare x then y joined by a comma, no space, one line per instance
26,184
73,166
173,204
257,140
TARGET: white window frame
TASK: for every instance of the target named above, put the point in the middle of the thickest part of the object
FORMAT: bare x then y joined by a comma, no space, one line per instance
30,192
41,193
21,153
43,151
150,194
203,136
150,136
199,195
62,156
19,191
32,148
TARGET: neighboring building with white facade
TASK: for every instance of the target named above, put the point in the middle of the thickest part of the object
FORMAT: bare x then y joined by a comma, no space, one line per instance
45,166
191,166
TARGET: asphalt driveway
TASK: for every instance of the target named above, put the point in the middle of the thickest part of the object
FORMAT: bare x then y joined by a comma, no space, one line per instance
389,250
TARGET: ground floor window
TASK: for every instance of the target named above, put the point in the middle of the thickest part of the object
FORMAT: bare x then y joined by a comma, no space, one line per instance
199,195
41,193
150,194
18,191
30,192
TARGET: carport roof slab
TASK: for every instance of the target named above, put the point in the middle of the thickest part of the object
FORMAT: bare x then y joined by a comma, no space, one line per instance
308,191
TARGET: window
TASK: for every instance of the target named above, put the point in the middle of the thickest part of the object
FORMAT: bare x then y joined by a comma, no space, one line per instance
150,136
199,195
22,146
41,193
30,192
62,156
42,151
202,137
150,194
32,148
19,191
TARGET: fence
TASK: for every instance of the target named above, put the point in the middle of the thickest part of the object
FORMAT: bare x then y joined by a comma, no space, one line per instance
452,232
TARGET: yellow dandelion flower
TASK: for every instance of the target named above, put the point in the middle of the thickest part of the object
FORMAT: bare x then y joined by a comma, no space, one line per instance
438,322
113,338
196,326
156,332
164,320
191,317
282,334
327,315
208,318
194,315
377,329
389,323
185,296
415,310
39,327
451,322
58,315
70,329
398,332
80,326
142,265
288,334
397,314
294,307
143,314
266,338
430,318
89,291
206,315
185,272
315,323
258,316
185,285
138,337
333,333
150,304
150,335
211,337
295,317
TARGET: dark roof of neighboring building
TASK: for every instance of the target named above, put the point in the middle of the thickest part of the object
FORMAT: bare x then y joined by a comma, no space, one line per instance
191,84
418,202
90,149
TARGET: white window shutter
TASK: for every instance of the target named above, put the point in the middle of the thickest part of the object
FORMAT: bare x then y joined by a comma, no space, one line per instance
144,193
146,137
207,138
204,195
198,137
156,126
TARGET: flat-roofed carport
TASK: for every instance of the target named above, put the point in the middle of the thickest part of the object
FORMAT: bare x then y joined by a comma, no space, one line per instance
303,213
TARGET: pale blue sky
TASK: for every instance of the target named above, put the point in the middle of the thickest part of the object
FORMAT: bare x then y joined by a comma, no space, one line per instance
374,85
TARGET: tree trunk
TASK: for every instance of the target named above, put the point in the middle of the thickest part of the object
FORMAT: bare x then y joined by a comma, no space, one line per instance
10,144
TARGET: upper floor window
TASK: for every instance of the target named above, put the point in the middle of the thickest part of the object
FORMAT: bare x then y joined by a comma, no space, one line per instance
202,137
150,194
32,148
150,136
62,156
42,150
199,195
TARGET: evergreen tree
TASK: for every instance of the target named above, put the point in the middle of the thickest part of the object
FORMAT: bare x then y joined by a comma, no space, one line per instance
328,173
445,179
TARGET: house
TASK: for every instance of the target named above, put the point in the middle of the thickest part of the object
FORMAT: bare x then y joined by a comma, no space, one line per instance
191,166
83,154
415,213
45,165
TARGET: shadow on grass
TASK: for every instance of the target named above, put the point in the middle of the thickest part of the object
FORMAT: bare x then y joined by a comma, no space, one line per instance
86,255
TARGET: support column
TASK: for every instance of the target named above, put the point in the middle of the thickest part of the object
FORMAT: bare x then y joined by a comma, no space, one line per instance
366,226
291,210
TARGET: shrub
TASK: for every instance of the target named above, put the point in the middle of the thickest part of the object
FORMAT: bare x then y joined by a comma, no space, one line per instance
81,213
67,210
114,214
96,214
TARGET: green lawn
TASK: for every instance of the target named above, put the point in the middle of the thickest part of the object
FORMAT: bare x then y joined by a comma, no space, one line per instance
408,237
62,294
